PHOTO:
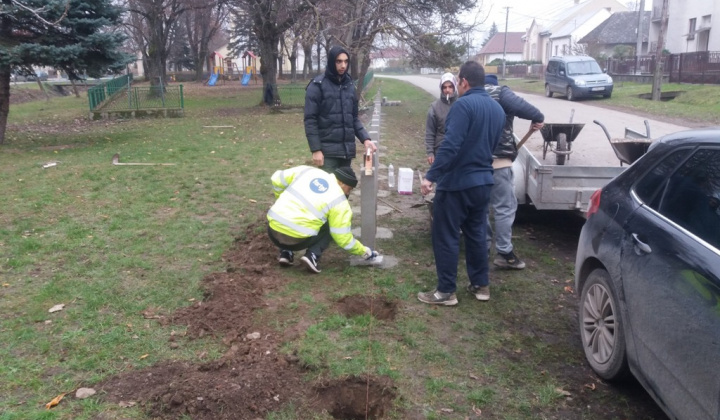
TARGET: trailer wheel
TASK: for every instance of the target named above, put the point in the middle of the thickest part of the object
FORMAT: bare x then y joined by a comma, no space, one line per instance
562,146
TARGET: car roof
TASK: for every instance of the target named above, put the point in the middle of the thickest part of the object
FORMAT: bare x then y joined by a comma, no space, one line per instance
571,58
708,135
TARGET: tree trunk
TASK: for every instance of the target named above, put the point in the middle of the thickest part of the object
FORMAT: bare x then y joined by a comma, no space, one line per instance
658,74
293,65
43,90
75,89
202,57
268,68
4,100
307,66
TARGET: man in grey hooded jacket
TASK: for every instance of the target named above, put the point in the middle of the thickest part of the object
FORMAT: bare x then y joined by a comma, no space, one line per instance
435,124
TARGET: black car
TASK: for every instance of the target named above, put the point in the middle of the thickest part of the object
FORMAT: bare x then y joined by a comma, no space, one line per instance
648,273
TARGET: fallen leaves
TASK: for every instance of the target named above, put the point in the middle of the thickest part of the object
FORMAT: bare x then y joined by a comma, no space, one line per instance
55,401
590,386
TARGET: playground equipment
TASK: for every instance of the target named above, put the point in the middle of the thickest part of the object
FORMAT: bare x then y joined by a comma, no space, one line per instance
249,61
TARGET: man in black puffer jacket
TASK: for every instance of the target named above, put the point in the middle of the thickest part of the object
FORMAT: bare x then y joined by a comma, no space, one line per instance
331,115
502,196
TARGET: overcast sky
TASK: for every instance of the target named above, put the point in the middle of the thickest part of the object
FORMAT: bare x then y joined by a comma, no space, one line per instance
522,12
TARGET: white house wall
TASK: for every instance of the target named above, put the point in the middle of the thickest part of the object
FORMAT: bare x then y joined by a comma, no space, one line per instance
679,14
563,45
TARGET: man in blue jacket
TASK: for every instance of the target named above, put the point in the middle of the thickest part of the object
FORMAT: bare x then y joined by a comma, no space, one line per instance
331,115
502,197
464,176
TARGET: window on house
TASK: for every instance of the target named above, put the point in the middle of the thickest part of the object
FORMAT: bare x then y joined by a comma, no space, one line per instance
556,50
691,31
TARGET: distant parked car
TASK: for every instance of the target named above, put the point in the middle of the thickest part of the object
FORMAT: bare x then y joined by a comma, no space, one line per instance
40,75
576,76
648,273
15,77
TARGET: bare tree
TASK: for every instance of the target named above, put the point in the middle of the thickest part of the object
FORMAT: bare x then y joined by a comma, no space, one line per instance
357,23
155,19
270,19
203,20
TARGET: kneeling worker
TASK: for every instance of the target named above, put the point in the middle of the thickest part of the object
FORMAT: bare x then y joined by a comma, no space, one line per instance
312,208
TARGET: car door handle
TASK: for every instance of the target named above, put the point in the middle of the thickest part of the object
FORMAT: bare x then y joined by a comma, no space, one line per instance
642,246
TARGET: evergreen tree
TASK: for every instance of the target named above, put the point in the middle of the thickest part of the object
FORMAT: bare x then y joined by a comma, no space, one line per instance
493,31
73,35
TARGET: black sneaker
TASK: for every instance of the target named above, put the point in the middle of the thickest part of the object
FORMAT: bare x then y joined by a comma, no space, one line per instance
286,258
311,261
509,260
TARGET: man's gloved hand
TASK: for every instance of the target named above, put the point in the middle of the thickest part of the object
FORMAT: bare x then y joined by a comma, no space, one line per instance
369,254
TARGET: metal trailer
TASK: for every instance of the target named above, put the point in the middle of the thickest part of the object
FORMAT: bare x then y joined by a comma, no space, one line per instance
569,186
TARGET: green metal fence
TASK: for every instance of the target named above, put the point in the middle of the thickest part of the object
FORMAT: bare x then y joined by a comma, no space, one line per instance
368,78
145,97
105,91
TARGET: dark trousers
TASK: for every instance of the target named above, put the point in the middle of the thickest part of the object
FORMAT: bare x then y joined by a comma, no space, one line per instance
332,163
315,244
452,211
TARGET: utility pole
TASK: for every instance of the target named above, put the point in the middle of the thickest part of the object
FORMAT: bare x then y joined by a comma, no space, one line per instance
507,15
658,74
640,33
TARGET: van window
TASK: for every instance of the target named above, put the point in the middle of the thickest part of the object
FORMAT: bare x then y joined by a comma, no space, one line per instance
552,67
583,67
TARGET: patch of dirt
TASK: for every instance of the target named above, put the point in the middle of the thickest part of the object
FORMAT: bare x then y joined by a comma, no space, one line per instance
252,378
376,306
356,398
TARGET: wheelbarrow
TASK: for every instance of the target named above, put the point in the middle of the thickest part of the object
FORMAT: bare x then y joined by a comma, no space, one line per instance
632,146
562,135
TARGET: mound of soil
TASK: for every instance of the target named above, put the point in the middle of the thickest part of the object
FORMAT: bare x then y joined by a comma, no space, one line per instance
252,378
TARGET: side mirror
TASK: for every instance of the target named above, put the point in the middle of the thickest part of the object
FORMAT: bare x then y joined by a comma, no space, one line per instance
562,72
604,69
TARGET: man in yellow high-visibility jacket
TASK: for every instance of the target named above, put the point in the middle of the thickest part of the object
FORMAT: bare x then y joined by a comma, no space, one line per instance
311,209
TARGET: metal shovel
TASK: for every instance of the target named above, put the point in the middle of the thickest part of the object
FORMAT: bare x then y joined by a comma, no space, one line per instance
116,161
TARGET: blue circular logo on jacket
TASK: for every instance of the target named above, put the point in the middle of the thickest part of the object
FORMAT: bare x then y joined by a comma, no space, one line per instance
319,185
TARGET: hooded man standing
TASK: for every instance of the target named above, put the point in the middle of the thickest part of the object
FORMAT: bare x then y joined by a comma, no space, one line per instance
331,115
502,196
435,124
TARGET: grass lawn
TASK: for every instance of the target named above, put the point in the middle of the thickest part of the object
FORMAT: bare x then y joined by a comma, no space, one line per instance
112,243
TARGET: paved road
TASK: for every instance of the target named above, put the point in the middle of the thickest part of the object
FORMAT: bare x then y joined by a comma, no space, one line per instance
591,147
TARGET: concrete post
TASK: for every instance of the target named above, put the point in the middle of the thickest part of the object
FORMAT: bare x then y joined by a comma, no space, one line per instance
369,184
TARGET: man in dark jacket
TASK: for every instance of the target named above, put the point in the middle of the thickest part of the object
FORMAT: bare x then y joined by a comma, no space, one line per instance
502,196
463,173
331,115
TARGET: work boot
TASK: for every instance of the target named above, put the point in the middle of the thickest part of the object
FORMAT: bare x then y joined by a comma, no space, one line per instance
311,262
481,292
438,298
509,260
286,258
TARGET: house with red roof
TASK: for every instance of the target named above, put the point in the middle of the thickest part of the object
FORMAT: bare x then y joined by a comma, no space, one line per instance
510,42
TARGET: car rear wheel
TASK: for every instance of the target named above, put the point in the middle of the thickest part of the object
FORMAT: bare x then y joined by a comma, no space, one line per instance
548,92
601,327
570,94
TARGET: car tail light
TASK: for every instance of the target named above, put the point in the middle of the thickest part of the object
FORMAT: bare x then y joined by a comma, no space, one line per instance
594,204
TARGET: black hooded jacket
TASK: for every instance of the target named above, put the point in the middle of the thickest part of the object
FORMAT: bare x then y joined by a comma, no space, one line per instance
331,112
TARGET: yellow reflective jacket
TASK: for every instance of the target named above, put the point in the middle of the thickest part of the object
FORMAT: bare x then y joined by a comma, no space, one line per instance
307,197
